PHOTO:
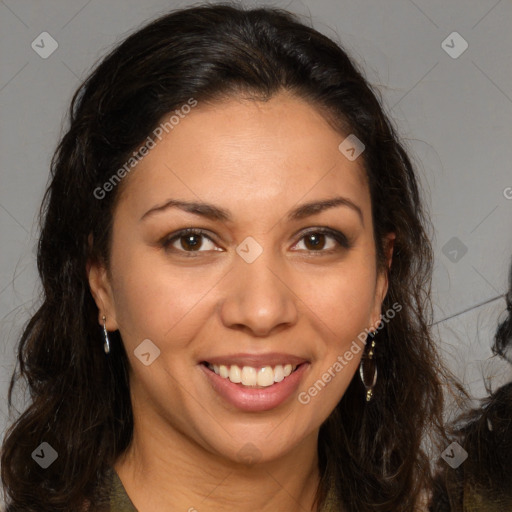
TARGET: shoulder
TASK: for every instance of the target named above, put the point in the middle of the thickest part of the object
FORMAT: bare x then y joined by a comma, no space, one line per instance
113,496
119,499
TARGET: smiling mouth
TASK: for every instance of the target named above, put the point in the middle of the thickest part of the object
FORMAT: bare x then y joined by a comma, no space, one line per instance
252,377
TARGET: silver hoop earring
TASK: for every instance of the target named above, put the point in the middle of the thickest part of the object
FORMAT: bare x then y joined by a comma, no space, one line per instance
372,367
106,345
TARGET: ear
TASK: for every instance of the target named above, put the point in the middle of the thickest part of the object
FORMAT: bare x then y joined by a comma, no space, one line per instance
382,284
101,289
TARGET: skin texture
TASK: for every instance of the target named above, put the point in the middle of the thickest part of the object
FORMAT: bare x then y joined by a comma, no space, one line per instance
257,160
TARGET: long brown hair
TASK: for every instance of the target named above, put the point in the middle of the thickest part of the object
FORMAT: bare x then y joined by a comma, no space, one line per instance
80,400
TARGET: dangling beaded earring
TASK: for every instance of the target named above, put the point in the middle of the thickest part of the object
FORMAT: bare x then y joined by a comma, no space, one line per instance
106,344
369,361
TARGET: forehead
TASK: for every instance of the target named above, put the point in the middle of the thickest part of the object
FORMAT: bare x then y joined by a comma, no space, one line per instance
239,150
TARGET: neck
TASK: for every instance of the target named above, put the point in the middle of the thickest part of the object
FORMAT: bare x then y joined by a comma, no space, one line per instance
165,470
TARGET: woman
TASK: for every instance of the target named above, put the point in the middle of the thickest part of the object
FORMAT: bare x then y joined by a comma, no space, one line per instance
230,216
483,482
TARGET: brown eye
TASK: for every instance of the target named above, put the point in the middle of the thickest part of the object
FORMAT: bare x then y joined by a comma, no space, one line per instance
315,241
324,240
189,240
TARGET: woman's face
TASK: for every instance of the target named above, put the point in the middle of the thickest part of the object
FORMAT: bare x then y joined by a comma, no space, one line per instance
261,287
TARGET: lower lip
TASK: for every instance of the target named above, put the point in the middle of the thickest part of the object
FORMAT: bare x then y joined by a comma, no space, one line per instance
255,399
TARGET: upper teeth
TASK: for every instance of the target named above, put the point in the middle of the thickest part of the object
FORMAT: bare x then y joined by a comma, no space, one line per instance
250,376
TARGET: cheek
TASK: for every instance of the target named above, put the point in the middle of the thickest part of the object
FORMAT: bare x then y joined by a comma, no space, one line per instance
153,299
341,311
344,299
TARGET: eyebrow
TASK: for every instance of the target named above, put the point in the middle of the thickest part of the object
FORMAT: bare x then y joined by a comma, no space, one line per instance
213,212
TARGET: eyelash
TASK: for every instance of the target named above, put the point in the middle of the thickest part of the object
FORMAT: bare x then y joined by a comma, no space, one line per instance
338,236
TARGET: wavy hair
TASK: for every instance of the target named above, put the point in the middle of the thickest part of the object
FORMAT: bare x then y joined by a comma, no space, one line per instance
79,399
485,432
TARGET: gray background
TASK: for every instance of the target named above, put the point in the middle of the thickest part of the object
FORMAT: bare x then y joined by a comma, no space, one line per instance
454,113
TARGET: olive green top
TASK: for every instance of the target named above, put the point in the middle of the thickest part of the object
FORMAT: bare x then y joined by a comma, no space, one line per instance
120,502
453,495
476,502
472,500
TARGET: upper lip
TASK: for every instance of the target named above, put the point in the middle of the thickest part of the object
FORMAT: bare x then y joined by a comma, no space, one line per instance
255,360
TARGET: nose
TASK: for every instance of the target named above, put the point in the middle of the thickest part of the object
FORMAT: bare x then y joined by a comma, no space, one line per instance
258,297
